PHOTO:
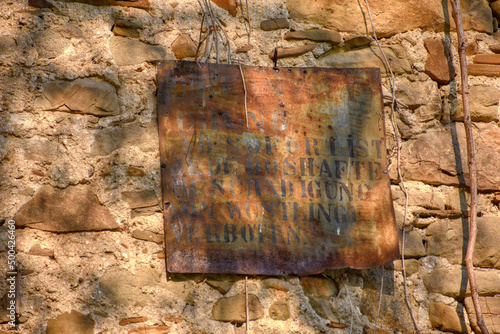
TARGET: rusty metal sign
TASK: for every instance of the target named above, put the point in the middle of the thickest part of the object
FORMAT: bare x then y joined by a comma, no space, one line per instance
273,171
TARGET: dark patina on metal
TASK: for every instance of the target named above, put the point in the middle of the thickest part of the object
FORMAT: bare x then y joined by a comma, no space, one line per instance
295,183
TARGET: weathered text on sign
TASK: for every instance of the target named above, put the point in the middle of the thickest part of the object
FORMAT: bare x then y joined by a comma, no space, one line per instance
295,183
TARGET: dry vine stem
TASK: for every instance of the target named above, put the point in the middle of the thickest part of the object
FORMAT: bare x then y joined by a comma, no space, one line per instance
457,15
398,153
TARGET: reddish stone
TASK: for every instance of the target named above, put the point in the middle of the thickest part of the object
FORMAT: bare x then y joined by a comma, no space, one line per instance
438,65
229,5
143,4
291,52
493,59
73,209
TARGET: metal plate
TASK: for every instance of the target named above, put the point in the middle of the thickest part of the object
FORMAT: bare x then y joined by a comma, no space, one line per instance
295,184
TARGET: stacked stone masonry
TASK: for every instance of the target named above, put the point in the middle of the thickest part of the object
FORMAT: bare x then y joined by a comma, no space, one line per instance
80,173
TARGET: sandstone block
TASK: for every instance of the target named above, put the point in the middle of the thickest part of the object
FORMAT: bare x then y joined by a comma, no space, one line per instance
493,59
445,238
440,157
50,44
414,247
148,236
277,284
229,5
426,199
472,48
110,139
483,104
184,47
319,290
39,251
291,52
438,65
486,70
122,287
220,285
390,17
453,281
446,318
417,94
74,322
126,28
275,24
233,309
319,287
279,310
316,35
7,45
143,4
495,48
73,209
160,329
85,96
495,7
367,57
411,266
40,4
140,199
358,41
491,313
132,320
131,52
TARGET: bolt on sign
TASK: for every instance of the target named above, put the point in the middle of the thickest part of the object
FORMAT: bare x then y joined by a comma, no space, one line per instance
273,171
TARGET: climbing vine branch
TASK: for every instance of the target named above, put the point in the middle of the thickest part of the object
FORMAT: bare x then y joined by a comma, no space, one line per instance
457,15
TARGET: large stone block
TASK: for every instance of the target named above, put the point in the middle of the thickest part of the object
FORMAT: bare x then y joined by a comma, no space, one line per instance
131,52
416,94
84,96
319,291
445,238
491,313
111,139
279,310
483,104
390,16
414,246
446,318
122,287
73,209
453,281
233,309
439,65
74,322
367,57
184,47
440,156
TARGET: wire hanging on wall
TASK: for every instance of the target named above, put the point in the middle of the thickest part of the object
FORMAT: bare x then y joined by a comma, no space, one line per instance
212,34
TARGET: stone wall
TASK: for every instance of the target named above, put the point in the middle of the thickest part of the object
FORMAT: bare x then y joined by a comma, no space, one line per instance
79,168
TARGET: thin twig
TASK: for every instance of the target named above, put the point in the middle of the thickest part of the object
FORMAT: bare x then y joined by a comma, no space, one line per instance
245,89
457,15
402,185
246,302
379,300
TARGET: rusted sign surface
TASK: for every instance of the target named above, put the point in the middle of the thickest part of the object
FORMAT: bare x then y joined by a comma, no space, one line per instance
296,183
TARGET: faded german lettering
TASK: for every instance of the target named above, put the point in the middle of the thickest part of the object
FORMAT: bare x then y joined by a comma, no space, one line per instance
293,175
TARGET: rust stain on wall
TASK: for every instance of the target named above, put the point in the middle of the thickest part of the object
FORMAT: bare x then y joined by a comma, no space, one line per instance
294,185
